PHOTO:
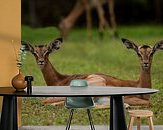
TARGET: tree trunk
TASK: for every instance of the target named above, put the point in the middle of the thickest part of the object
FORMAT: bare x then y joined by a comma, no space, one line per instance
158,12
32,13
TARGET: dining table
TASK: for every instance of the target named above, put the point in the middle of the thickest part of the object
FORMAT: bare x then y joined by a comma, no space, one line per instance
117,112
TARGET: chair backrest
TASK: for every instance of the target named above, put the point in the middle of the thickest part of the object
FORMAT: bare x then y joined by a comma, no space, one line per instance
78,83
79,102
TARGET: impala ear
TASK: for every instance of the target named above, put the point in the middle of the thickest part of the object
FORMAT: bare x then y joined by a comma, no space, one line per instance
158,46
55,45
129,44
27,46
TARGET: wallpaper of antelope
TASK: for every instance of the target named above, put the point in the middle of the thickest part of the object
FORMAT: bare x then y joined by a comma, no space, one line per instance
54,78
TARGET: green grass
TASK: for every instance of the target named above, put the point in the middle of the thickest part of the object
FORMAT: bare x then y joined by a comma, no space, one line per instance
79,54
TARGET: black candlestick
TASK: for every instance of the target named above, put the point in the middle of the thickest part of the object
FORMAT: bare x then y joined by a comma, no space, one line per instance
29,80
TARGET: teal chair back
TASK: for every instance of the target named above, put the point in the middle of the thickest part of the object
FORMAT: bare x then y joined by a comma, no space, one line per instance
79,102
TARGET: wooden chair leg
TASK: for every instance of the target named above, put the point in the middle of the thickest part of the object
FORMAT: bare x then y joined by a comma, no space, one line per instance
138,123
131,123
151,127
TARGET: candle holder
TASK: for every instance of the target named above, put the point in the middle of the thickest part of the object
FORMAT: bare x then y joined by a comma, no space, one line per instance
29,80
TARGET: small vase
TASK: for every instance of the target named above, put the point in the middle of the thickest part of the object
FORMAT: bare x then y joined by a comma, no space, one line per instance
18,82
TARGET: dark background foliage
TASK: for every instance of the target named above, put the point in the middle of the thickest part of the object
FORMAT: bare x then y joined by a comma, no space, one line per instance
40,13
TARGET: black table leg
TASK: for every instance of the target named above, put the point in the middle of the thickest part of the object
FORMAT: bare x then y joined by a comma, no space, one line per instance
9,113
117,115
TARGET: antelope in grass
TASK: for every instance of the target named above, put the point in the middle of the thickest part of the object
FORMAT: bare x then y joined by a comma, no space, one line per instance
54,78
145,54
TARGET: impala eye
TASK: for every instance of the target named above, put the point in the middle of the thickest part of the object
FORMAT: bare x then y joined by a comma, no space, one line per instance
151,53
35,53
139,54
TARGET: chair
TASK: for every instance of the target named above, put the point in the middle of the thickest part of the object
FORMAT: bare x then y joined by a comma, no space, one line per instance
140,114
73,103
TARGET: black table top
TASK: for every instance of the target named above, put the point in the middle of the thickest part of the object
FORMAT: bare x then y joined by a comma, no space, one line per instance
65,91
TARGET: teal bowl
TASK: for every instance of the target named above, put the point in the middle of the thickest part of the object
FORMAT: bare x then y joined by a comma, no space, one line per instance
78,83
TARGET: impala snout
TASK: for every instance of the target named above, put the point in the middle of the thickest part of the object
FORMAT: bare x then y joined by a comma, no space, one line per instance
146,64
41,62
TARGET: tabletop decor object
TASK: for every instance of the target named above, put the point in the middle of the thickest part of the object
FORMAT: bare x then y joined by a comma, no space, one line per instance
29,80
18,81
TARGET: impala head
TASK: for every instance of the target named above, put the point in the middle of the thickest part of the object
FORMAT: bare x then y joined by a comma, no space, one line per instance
144,52
41,52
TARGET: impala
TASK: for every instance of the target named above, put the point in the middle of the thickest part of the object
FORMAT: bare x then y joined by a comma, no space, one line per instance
54,78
